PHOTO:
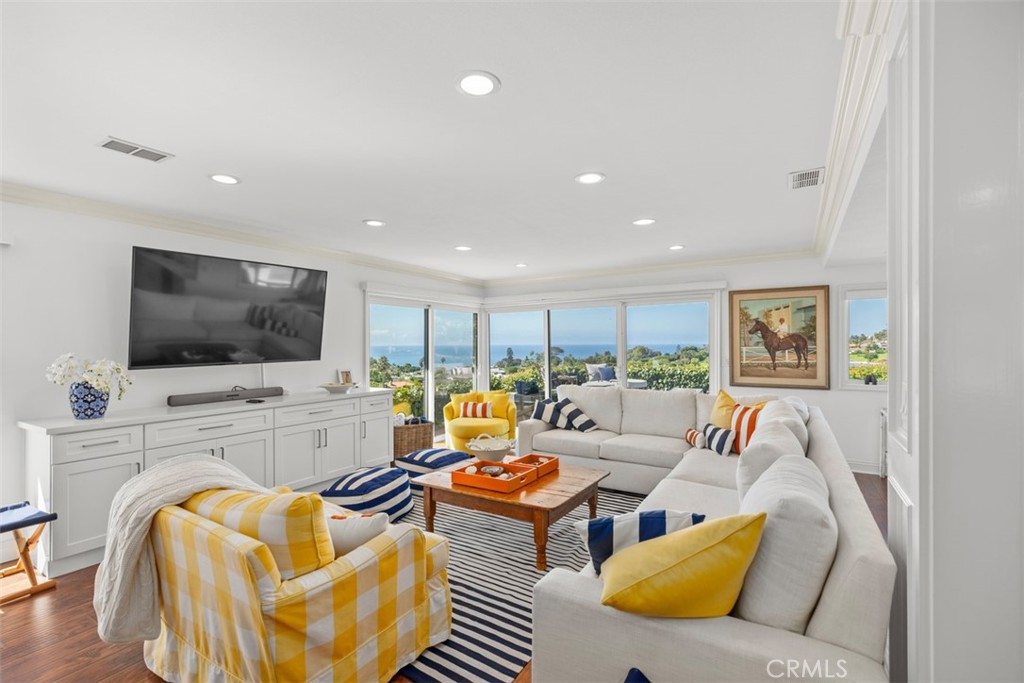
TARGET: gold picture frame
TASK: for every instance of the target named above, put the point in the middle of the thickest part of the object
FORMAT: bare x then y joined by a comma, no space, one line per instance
779,337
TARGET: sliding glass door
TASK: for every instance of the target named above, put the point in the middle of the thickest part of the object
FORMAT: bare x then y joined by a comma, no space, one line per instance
583,346
667,345
455,335
398,353
517,357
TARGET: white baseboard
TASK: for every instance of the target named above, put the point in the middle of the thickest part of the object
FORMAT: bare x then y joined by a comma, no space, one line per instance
862,467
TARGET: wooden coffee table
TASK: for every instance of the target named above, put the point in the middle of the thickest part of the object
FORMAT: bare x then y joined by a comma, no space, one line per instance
543,502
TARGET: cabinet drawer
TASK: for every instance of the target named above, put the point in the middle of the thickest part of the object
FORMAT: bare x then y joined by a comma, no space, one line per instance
314,412
205,428
375,404
95,444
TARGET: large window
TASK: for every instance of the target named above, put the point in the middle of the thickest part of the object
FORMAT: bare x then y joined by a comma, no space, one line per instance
867,349
517,357
583,346
667,345
455,334
398,352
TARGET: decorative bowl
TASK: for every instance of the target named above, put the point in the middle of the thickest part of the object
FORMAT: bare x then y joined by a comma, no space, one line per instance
336,388
489,448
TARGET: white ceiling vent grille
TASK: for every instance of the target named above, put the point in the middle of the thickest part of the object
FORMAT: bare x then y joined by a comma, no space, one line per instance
810,178
134,150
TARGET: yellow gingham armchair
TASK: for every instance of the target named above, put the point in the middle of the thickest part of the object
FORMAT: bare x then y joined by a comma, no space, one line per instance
227,614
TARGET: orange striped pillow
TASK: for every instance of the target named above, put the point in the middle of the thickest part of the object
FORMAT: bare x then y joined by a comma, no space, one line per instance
473,409
743,424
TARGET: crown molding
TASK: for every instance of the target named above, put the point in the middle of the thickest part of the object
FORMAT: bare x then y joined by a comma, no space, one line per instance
238,233
863,25
662,268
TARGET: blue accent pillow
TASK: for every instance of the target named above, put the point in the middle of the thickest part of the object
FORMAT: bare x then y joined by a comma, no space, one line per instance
605,536
719,439
607,373
635,675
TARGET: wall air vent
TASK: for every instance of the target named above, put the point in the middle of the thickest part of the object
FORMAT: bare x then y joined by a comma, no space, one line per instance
134,150
810,178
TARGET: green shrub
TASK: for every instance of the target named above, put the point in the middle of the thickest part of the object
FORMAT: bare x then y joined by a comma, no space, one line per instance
879,370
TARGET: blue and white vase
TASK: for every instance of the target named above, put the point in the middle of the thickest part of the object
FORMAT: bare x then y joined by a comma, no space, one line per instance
87,402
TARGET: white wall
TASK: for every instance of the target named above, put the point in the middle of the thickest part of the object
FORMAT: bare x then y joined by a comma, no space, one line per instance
852,413
66,284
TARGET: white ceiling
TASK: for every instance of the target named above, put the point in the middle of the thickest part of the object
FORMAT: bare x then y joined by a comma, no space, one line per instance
335,112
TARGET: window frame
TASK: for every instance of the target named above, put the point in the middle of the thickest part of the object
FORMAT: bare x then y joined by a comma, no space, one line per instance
841,360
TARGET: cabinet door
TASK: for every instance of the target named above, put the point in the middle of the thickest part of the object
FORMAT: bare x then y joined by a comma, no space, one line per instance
340,447
376,442
82,494
155,455
251,453
297,456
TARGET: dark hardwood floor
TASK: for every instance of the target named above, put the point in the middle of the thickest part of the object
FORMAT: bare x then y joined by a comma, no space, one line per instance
52,637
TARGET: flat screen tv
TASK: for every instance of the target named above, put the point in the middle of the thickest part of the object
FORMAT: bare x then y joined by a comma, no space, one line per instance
189,309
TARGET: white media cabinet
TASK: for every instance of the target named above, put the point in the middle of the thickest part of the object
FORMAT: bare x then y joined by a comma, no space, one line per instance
304,441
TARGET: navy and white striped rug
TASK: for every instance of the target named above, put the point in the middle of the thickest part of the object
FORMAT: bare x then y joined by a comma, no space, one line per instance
491,632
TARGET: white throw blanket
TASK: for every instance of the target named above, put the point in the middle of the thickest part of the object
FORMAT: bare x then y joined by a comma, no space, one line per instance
126,595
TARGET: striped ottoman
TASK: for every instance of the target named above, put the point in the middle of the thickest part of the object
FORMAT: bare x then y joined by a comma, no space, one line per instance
372,489
429,460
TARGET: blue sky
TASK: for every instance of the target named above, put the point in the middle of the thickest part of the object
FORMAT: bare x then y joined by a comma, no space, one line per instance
868,316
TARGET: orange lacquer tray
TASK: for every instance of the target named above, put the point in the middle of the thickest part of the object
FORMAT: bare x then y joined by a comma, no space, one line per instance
534,460
524,474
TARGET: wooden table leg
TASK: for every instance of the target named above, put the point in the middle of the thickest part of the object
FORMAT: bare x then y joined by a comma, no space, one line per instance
540,537
592,502
428,508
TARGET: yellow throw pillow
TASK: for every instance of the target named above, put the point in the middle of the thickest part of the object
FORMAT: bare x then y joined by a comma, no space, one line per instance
694,572
499,402
459,399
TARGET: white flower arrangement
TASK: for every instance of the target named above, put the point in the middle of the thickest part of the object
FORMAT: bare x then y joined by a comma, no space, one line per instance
103,375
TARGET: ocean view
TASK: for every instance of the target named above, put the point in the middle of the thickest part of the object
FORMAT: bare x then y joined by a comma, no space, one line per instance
463,356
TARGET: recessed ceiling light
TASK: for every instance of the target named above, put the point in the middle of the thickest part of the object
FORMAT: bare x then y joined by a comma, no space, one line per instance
463,248
589,178
676,247
224,179
374,222
478,83
520,265
644,221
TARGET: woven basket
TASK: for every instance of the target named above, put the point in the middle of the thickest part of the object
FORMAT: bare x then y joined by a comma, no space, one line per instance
409,438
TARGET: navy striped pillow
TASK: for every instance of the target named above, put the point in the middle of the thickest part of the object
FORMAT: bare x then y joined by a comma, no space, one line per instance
428,460
605,536
372,489
578,420
549,411
719,439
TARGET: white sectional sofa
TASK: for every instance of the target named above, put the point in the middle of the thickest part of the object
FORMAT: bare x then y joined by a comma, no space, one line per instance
803,613
639,439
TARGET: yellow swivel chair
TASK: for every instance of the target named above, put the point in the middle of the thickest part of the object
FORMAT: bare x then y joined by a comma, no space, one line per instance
458,430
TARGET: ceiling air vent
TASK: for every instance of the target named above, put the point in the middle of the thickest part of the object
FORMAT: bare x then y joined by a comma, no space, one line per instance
134,150
809,178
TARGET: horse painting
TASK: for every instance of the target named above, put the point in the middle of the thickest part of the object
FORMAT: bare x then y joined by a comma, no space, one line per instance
774,344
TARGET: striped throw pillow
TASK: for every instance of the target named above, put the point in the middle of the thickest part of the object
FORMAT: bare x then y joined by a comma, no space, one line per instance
475,409
563,414
372,489
719,439
743,424
605,536
695,438
292,525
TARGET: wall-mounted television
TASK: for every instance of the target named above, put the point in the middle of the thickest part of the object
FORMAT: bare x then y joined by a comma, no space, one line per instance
190,309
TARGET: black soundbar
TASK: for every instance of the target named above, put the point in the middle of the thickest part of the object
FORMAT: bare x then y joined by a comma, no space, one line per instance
217,396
